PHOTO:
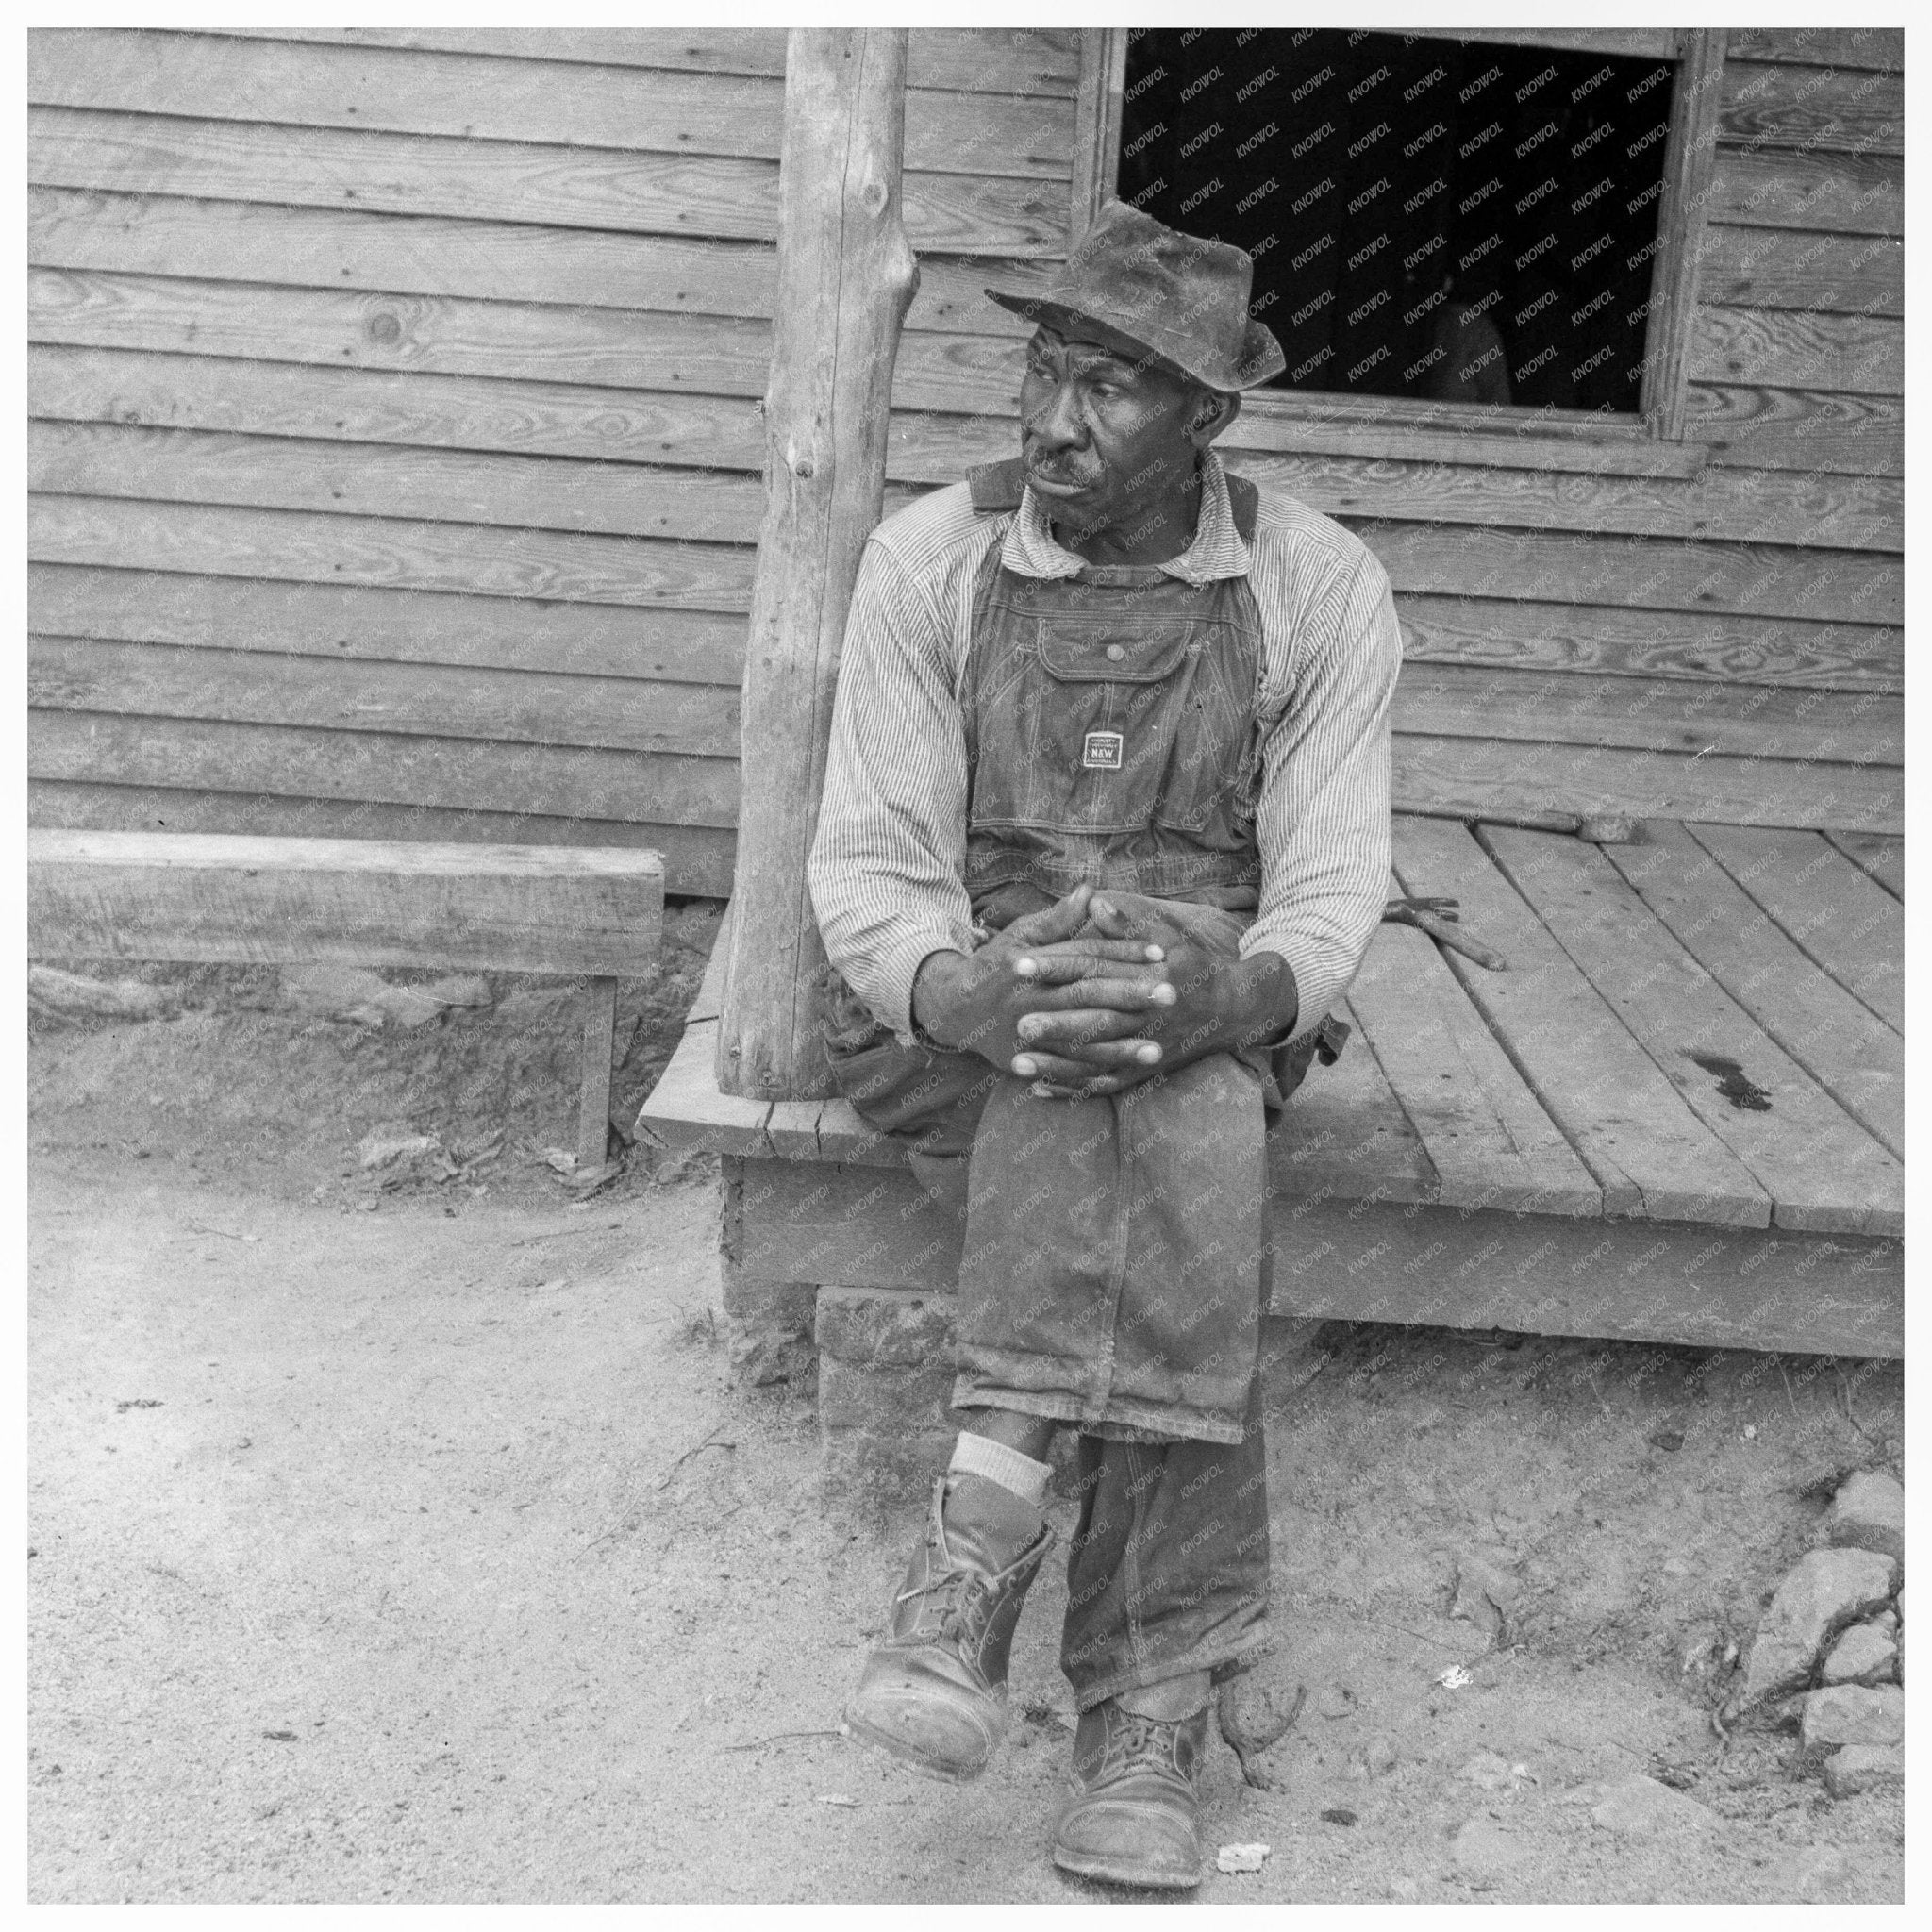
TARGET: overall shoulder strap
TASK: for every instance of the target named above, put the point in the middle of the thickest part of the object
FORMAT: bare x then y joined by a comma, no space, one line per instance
997,485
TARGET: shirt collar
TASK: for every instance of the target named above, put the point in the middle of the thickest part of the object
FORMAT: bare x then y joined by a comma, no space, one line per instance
1218,549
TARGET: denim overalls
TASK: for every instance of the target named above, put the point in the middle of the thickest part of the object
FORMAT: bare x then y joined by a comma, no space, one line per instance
1111,1267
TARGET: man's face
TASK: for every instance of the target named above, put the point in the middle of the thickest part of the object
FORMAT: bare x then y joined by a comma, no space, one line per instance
1105,433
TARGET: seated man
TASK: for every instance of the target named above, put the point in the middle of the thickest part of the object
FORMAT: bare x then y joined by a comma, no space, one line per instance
1105,832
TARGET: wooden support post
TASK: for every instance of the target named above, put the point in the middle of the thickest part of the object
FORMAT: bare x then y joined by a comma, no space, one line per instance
593,1103
846,276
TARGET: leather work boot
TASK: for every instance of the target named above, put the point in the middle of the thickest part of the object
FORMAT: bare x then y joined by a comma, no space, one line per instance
1131,1820
934,1691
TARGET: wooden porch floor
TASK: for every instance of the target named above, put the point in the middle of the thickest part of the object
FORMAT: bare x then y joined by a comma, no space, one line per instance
1705,1027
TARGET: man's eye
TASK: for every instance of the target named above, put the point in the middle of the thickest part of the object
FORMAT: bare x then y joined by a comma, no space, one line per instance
1103,390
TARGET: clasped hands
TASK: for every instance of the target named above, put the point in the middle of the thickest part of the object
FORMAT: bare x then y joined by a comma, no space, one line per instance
1097,992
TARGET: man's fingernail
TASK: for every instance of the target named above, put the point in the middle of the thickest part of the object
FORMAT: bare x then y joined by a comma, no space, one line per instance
1155,952
1163,995
1025,1067
1147,1055
1026,967
1041,1091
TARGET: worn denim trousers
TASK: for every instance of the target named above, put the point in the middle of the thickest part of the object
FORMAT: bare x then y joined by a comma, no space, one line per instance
1110,1279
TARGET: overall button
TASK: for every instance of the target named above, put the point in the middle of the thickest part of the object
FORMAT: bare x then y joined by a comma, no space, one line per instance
1115,653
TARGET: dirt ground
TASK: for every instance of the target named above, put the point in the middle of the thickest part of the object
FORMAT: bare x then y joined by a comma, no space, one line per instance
401,1534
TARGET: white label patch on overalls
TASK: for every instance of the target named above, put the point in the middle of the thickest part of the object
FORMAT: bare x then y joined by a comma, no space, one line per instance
1103,751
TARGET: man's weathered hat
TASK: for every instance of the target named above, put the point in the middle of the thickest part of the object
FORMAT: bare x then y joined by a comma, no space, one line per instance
1182,296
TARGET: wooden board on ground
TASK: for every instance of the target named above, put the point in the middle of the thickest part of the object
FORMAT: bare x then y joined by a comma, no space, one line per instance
1490,1143
1630,1127
1837,1040
137,895
1843,919
1823,1172
697,859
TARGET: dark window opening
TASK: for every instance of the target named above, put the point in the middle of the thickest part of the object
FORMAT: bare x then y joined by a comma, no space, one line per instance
1448,220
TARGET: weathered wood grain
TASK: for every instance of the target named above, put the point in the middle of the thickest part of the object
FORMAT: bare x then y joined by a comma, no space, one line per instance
1879,48
1578,708
1622,42
504,181
494,262
1600,640
1858,1059
1636,1281
476,97
426,411
1789,348
1823,1172
445,335
1779,188
697,859
1347,1135
1489,1142
1777,105
1812,430
1629,1126
846,274
1477,776
1682,210
1842,512
352,479
1782,268
995,59
1641,573
287,762
1842,917
269,687
1877,855
395,553
684,1113
181,465
599,641
173,896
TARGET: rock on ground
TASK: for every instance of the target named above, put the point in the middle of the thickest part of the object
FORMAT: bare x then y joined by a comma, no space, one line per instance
1852,1714
1824,1592
1862,1767
1640,1807
1864,1654
1484,1852
1869,1513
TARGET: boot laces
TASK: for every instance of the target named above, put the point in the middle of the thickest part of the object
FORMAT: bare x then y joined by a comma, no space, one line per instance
948,1603
1136,1743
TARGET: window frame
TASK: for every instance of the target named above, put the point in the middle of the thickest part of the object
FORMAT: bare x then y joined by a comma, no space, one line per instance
1648,443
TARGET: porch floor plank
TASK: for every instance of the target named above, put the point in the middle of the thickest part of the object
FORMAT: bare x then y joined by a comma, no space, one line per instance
1823,1172
1840,915
1876,854
1837,1039
1631,1127
1490,1142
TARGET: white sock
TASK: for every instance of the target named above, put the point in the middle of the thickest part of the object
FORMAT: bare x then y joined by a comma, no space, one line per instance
982,1457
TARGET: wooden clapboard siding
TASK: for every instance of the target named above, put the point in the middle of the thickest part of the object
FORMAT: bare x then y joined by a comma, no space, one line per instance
1016,60
233,613
1789,268
273,687
636,190
409,91
491,262
437,352
401,553
555,781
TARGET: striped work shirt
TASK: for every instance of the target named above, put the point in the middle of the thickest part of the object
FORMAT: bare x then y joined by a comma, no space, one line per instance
888,861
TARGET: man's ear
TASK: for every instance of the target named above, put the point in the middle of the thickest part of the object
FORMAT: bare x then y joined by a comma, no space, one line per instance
1213,411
